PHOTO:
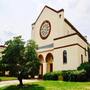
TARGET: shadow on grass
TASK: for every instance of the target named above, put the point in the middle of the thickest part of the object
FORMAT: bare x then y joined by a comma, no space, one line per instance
25,87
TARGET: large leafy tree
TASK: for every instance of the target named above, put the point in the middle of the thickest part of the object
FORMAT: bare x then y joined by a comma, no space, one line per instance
13,55
19,59
31,66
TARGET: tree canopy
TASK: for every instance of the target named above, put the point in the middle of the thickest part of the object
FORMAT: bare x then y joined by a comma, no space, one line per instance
20,58
13,55
31,57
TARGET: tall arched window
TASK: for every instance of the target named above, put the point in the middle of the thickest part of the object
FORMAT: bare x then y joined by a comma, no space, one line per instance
64,56
81,58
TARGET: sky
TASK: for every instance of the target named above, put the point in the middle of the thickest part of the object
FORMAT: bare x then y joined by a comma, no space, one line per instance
16,16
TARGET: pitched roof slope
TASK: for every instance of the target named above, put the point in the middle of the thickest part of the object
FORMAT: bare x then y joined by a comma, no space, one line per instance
50,9
58,11
75,30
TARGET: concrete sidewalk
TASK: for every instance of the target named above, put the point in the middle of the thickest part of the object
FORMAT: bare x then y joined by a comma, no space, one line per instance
15,82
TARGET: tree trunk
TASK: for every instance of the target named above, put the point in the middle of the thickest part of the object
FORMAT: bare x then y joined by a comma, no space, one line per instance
20,80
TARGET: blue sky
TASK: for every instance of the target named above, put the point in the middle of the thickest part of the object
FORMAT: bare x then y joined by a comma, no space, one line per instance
16,16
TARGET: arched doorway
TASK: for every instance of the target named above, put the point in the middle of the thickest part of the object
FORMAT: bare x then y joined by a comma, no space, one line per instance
41,64
49,61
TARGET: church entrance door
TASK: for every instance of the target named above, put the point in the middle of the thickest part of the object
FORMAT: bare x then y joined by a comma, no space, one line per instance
49,62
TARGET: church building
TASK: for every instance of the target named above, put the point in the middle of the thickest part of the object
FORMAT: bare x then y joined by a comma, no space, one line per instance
60,45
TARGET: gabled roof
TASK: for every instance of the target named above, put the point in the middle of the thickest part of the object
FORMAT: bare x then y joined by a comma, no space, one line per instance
58,11
50,9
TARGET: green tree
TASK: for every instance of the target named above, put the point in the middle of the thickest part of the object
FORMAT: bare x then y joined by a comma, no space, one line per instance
32,58
13,55
32,63
21,61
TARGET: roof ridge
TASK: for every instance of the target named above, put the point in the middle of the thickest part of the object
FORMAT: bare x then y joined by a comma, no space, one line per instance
57,11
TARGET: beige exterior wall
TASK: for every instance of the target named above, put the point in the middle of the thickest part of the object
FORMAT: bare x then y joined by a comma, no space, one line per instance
66,41
74,44
82,42
72,59
68,29
82,52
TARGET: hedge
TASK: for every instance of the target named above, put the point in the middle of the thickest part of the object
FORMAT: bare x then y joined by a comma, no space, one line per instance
70,75
74,75
52,76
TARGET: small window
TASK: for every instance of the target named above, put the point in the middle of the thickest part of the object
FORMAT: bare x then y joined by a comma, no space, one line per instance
81,58
60,15
64,57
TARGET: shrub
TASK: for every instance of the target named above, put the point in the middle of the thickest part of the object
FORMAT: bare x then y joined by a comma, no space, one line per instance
66,75
69,75
81,76
86,67
52,76
74,75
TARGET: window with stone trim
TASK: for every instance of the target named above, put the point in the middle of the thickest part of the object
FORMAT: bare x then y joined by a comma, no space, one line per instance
64,57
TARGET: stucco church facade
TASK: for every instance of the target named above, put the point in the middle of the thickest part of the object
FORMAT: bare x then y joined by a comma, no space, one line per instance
60,45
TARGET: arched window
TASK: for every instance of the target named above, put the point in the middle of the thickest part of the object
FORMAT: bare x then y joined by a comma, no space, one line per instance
81,58
64,56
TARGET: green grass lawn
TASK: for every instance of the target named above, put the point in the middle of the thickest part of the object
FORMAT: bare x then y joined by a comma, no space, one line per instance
51,85
7,78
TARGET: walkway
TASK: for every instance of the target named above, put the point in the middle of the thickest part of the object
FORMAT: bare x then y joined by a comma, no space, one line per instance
15,82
